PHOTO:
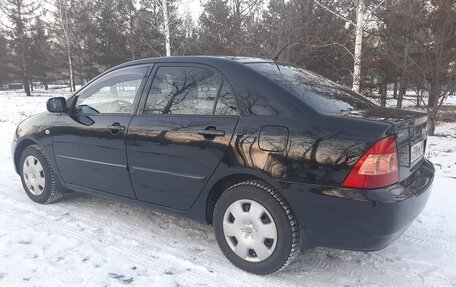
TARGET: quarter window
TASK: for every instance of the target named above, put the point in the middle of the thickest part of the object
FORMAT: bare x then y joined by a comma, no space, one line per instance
113,93
183,91
226,103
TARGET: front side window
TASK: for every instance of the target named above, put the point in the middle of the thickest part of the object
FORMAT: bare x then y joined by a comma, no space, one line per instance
183,91
113,93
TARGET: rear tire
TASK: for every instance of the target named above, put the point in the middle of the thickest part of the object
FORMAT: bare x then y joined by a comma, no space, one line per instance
255,228
37,176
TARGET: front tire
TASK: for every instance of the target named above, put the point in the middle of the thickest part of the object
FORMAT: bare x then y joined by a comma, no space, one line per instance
37,176
255,228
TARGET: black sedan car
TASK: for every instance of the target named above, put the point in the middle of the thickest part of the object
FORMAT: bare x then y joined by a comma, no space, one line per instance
277,158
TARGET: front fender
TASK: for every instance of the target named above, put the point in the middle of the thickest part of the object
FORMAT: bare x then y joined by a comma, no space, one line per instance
37,130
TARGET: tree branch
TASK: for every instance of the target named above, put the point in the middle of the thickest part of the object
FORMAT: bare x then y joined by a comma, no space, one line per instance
335,13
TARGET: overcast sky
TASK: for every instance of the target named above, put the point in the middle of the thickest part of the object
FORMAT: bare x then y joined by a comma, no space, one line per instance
193,6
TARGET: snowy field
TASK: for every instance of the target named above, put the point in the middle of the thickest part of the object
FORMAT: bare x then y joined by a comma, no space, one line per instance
88,241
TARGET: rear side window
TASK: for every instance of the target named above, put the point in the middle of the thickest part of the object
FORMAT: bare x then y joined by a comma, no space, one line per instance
183,91
316,91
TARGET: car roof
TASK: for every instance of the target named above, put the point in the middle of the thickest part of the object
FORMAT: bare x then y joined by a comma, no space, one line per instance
211,60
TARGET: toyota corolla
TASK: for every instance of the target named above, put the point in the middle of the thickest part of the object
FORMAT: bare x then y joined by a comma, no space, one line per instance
277,158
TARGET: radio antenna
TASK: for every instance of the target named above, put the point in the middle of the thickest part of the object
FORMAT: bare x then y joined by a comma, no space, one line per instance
280,52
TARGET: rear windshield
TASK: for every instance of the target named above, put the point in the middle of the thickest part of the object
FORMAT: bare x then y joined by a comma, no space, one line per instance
316,91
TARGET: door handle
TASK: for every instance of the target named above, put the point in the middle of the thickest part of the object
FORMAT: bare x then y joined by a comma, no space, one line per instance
116,128
211,133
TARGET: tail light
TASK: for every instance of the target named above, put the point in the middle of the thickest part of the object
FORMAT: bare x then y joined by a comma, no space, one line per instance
377,168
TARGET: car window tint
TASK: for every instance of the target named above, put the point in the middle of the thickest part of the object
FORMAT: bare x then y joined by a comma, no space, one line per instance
183,91
318,92
226,103
113,92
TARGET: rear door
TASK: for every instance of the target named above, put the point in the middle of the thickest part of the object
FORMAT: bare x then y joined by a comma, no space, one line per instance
90,142
177,141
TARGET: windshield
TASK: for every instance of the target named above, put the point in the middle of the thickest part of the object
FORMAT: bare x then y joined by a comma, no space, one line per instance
318,92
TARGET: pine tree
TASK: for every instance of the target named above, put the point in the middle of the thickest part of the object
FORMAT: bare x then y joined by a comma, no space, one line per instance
5,68
20,14
112,42
215,28
40,52
85,47
148,35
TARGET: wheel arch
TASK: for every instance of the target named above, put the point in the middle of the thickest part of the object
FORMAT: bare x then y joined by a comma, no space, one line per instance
21,146
222,184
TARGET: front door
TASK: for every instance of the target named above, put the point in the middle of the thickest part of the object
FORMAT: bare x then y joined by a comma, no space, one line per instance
179,139
90,142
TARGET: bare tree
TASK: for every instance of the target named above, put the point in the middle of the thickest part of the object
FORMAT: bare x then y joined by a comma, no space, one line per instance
64,17
359,33
166,29
359,28
358,46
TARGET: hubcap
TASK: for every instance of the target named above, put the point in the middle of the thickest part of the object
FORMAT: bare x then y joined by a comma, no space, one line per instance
33,174
250,230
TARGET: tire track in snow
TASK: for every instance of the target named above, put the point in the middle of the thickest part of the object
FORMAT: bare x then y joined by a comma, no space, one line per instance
427,239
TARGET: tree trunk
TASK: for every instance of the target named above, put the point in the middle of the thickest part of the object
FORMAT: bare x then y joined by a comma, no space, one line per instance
166,27
25,82
358,46
70,67
418,98
395,89
433,96
431,121
402,91
384,89
131,31
64,21
434,93
26,85
46,87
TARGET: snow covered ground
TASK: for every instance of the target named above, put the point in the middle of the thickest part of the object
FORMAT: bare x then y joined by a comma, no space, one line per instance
88,241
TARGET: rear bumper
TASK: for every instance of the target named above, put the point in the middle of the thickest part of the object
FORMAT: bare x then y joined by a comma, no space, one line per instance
356,219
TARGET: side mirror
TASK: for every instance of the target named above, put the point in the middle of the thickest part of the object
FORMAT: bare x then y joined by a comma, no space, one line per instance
56,105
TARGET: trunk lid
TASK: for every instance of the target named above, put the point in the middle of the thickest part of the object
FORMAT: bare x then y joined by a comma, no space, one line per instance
410,129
